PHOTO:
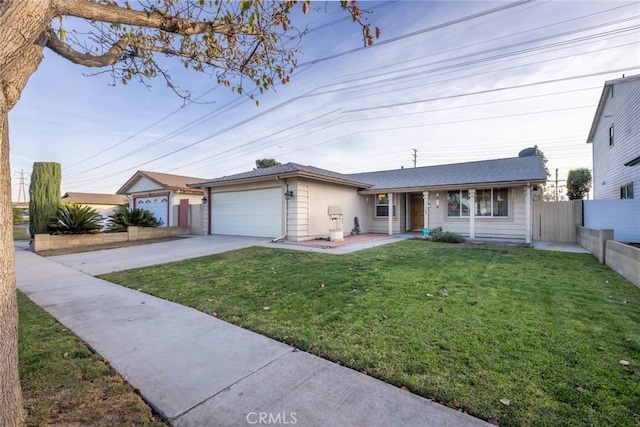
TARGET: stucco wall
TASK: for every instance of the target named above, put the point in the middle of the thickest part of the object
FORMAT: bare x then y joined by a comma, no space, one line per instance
624,260
511,227
307,216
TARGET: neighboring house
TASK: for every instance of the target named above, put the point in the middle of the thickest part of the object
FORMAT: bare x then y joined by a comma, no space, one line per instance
489,198
615,135
166,196
104,204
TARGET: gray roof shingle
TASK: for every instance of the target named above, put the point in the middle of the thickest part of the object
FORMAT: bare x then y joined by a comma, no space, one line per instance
514,169
481,172
286,169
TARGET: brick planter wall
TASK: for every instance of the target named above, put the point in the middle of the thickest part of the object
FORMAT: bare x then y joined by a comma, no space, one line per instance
47,242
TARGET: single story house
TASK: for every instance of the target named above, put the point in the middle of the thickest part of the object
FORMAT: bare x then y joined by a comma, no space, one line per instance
479,199
168,197
104,204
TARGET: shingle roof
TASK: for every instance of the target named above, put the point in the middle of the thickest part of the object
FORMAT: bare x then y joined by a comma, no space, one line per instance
165,180
288,169
94,198
514,169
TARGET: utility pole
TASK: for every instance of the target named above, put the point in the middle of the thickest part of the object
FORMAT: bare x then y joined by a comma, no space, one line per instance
556,184
22,195
415,157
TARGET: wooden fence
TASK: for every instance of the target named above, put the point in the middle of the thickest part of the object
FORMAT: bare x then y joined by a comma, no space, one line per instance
556,221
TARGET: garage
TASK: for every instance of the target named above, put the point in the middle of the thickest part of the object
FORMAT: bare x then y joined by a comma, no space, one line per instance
247,213
157,205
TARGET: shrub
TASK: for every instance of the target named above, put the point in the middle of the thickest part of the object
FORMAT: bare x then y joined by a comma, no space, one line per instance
438,235
44,196
18,218
72,218
125,217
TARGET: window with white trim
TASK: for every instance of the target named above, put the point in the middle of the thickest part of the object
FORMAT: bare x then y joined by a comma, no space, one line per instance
490,202
382,205
626,191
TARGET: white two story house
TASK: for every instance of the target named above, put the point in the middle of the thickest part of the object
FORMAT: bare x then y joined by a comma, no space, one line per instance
615,137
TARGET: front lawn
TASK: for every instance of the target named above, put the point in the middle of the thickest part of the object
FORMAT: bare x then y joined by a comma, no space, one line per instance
520,336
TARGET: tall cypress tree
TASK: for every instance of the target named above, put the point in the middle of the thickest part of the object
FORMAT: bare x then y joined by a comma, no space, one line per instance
44,195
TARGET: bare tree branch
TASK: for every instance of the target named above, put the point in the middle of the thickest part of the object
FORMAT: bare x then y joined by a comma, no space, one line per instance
120,15
112,56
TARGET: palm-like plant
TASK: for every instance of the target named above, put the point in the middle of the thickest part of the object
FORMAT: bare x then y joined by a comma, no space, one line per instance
124,217
72,218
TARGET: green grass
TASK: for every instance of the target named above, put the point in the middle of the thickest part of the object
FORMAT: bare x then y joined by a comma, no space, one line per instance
21,235
464,325
64,383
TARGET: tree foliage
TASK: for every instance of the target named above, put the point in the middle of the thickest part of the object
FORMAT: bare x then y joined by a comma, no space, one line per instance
44,196
266,163
125,217
543,193
578,183
73,218
242,44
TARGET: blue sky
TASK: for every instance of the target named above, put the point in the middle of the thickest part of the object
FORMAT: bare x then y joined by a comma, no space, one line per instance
452,86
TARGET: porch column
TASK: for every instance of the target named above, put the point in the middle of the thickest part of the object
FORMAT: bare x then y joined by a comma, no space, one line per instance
472,213
425,197
527,210
390,196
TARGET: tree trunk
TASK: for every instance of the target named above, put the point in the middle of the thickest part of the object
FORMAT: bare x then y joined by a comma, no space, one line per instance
11,412
21,26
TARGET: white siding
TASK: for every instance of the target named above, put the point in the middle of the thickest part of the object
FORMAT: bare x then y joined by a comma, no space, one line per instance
621,111
381,224
511,227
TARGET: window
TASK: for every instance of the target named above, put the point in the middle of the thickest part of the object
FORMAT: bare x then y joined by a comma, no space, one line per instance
611,136
490,202
626,191
382,205
458,203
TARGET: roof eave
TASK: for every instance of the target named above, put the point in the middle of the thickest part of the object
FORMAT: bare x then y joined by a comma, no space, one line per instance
453,186
596,118
294,174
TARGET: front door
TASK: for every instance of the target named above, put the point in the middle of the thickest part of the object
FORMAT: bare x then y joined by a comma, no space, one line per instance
417,212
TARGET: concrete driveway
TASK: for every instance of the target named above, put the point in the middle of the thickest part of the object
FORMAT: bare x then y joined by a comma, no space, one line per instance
110,260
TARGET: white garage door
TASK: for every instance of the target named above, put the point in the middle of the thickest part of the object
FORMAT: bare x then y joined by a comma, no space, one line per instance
156,205
248,213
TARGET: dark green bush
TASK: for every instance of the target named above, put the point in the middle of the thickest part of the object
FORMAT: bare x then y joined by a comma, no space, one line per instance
72,218
125,217
44,196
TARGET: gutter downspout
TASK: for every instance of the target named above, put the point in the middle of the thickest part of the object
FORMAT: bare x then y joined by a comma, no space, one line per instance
286,211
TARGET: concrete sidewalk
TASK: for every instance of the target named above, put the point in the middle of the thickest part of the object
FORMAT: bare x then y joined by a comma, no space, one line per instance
196,370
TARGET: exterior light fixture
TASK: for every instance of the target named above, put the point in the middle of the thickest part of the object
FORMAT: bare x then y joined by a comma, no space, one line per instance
288,195
204,199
